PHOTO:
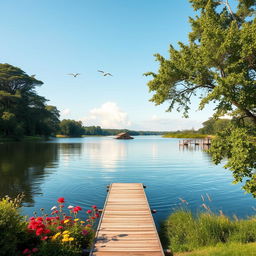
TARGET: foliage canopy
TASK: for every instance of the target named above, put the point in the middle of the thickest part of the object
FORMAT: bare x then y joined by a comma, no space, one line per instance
22,110
218,64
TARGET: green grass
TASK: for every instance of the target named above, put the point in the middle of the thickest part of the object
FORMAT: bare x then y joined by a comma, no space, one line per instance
183,232
185,135
230,249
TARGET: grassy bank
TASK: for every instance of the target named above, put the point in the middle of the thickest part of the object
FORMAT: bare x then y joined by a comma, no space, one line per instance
185,135
184,232
230,249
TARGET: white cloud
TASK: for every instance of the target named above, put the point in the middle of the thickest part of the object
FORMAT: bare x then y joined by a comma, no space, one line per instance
65,112
108,115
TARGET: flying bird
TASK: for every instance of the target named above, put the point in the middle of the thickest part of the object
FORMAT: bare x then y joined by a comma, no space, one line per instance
105,73
74,75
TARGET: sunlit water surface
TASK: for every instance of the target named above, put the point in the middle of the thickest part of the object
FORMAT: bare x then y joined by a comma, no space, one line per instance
79,169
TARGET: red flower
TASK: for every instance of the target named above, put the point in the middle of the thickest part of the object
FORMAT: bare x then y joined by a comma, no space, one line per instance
39,231
61,200
47,231
44,237
89,211
77,209
59,227
94,206
97,215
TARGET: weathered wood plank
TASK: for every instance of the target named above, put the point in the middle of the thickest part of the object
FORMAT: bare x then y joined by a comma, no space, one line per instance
126,227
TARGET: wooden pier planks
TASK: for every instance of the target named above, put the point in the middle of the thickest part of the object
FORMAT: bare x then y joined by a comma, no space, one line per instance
126,227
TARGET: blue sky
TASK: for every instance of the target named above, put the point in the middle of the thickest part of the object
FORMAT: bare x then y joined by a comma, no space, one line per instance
53,38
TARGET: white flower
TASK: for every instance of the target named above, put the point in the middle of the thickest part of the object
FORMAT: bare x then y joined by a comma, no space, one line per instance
70,207
54,208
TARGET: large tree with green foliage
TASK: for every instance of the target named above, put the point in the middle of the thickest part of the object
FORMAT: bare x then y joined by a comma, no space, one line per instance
22,110
71,128
218,64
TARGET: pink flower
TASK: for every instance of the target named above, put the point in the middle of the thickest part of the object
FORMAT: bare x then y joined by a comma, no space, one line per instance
89,211
84,232
26,251
61,200
70,207
35,250
44,237
94,206
53,208
97,215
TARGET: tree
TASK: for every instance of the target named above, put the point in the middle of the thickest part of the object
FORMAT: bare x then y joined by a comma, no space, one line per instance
27,111
218,65
71,128
213,126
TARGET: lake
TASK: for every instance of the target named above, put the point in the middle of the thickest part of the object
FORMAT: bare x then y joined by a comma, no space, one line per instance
79,169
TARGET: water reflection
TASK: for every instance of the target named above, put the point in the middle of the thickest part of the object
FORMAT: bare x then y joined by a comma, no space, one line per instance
106,153
193,147
23,167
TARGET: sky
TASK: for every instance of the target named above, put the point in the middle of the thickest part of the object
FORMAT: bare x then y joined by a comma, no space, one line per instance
54,38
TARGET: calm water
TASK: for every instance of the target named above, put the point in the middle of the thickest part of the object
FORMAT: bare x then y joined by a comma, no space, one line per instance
79,169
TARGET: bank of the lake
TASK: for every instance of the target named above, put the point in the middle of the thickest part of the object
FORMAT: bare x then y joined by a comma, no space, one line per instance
186,135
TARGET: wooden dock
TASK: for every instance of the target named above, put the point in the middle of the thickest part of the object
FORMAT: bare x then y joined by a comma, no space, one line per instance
126,226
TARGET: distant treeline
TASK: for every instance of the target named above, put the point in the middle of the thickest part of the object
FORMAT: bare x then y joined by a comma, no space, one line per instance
210,127
75,128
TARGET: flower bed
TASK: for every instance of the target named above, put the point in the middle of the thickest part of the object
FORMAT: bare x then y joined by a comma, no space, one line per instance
61,232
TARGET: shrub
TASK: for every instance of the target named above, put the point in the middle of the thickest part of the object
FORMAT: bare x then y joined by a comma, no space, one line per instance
12,226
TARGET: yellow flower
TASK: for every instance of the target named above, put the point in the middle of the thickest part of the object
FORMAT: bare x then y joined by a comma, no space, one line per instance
76,219
65,240
66,221
82,222
56,236
66,232
71,239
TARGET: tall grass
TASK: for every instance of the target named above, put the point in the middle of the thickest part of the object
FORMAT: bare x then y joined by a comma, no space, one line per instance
185,135
183,231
